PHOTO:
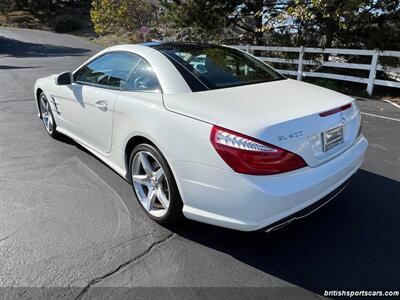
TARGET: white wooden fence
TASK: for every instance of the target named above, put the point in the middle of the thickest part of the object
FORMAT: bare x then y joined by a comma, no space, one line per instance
373,67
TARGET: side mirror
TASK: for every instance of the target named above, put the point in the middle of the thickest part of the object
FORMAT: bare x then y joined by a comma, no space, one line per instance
64,78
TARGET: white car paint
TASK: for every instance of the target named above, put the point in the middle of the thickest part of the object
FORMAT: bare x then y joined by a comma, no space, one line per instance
179,123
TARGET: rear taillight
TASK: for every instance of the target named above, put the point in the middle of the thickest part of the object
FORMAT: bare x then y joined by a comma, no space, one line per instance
247,155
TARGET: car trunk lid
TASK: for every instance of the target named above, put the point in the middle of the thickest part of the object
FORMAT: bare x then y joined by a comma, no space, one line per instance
285,113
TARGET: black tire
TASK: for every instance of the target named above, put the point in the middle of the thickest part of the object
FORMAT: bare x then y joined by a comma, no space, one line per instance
174,212
53,130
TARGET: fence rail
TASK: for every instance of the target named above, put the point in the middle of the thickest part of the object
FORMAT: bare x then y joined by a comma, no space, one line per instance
373,67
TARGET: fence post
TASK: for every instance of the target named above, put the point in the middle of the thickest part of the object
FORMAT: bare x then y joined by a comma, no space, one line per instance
300,66
372,72
248,48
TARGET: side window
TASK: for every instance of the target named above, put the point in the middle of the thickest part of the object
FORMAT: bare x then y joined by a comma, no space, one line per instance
112,69
143,78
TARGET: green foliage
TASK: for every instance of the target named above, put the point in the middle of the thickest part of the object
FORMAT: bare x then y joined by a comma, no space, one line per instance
197,20
321,23
221,20
67,23
110,16
352,23
35,5
60,15
5,6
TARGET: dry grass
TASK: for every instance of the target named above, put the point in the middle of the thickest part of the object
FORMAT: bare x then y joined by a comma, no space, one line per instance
393,99
21,19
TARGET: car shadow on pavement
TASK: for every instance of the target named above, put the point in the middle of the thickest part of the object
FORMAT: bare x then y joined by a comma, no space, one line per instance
2,67
352,242
16,48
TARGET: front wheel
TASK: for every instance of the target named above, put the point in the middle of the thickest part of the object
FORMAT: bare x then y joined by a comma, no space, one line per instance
154,185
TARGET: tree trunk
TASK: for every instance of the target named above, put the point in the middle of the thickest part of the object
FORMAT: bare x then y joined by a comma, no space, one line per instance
258,22
329,35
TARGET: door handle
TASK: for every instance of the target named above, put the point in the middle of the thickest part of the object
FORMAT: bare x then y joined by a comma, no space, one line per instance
102,105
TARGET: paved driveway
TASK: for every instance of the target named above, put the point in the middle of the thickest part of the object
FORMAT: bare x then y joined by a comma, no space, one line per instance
67,220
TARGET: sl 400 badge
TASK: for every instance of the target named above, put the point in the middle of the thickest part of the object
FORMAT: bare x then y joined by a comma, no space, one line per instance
292,135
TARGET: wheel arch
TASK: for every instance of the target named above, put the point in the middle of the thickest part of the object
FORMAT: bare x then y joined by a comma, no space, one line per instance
37,95
130,145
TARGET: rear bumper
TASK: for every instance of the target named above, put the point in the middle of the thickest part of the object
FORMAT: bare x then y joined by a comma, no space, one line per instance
247,203
308,210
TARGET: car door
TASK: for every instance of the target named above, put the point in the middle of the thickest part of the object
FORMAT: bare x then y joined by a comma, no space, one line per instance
87,110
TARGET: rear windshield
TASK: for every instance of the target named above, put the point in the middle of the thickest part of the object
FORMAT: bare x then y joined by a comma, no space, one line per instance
217,67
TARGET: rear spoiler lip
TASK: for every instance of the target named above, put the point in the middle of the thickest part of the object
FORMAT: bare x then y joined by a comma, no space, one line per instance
335,110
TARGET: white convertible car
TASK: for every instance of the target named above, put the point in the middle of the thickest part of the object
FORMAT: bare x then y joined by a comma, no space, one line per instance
208,132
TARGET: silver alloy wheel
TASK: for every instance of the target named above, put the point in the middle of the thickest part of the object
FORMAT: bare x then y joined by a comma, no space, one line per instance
150,184
47,117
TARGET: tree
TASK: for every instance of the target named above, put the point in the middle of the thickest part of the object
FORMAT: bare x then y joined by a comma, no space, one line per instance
256,18
352,23
214,18
199,20
322,23
122,15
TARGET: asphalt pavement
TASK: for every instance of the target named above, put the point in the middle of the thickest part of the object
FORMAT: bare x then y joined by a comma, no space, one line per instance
68,221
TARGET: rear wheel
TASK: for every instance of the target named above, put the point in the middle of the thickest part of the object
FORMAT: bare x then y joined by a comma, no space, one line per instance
46,115
154,185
